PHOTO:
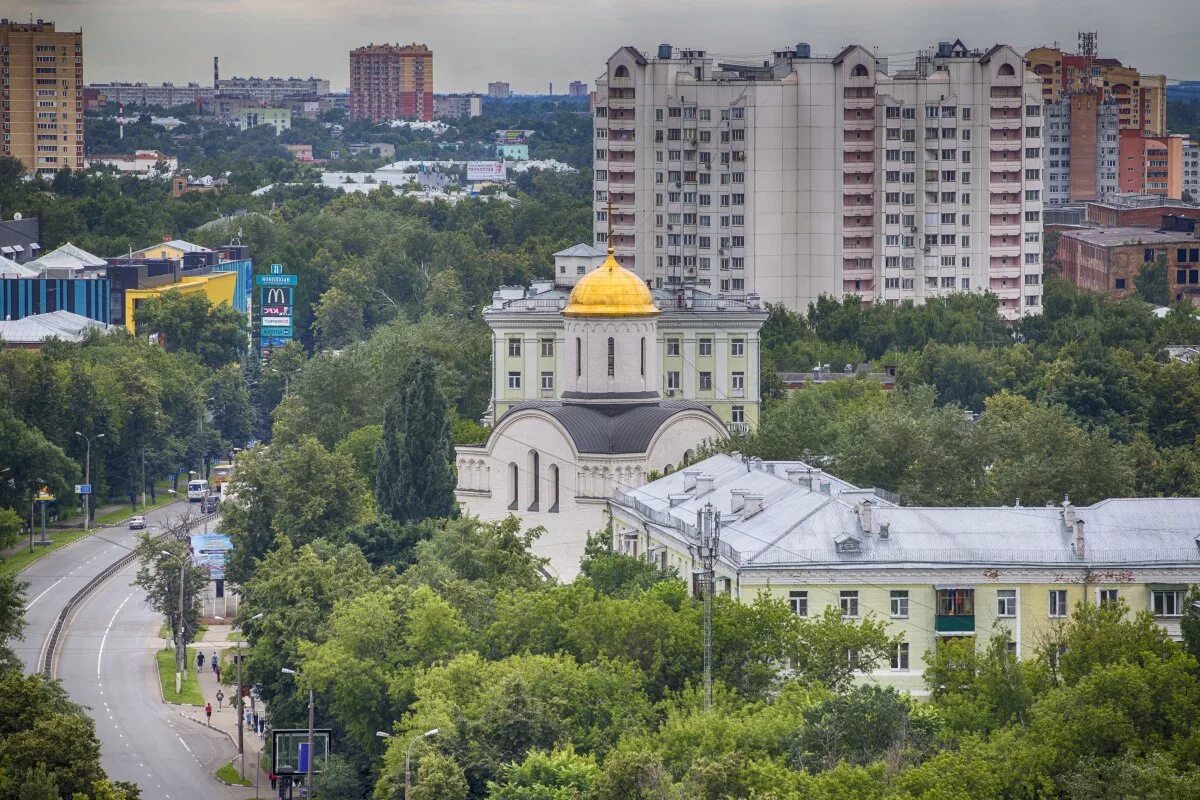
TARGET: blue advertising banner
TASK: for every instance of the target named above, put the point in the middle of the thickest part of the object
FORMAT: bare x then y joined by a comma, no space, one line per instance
274,280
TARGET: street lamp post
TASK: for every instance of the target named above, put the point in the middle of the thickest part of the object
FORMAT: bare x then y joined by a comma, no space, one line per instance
179,645
312,754
408,756
87,478
241,715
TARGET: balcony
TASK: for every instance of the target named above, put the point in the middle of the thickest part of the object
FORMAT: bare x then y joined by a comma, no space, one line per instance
859,103
954,625
858,146
1005,115
955,612
864,179
864,115
617,144
858,245
864,222
621,198
741,428
621,103
1005,157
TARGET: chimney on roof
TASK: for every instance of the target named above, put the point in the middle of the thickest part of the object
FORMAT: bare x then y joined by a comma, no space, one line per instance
737,500
704,483
866,516
753,505
884,529
1068,512
166,238
689,479
1079,538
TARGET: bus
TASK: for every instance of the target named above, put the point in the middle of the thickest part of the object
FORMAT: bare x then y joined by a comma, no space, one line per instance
196,490
220,476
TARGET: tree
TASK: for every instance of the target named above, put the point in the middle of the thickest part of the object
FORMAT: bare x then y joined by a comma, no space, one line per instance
338,780
439,777
1190,623
39,785
12,618
1151,282
192,324
629,774
617,574
415,479
162,559
10,528
558,775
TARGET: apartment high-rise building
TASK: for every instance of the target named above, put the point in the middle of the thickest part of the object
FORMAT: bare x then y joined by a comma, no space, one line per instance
1151,164
271,90
577,89
391,82
1191,172
1141,99
1082,142
802,176
499,90
42,94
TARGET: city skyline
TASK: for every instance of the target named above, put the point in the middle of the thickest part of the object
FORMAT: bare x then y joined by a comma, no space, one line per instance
315,38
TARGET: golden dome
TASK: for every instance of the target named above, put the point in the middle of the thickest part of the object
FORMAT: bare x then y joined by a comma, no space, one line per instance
610,290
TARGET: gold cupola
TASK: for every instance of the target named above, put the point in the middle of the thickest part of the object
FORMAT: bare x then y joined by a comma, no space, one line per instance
610,290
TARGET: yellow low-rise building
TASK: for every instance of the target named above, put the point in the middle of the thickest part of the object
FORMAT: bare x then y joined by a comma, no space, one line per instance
794,532
219,287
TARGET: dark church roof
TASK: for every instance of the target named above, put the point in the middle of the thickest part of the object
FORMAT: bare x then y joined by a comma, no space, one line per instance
612,429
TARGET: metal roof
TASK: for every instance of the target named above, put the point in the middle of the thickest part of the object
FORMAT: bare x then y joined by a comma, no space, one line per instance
612,429
801,526
585,250
11,269
63,325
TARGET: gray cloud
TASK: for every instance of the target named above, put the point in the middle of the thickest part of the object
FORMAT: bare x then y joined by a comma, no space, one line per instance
533,42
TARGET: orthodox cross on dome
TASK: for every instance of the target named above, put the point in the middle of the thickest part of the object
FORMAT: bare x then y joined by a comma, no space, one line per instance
609,217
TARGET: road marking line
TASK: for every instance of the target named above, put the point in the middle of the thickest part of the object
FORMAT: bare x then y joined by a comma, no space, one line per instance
104,638
43,594
182,742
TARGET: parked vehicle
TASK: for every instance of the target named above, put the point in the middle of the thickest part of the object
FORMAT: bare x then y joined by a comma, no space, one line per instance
197,490
221,474
209,504
137,523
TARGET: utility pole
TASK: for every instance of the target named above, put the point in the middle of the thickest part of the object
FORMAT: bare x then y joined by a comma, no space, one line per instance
312,754
708,529
143,478
87,478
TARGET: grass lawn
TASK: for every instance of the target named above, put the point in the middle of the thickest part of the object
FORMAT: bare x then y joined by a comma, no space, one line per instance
190,695
229,774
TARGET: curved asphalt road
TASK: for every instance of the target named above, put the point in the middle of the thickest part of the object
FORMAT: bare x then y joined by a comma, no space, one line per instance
106,663
57,576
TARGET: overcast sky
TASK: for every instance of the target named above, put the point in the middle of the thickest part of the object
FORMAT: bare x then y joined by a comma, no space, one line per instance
533,42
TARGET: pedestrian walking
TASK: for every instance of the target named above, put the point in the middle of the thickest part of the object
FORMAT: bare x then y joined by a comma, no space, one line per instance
220,698
218,671
262,728
272,777
208,713
214,663
200,660
254,721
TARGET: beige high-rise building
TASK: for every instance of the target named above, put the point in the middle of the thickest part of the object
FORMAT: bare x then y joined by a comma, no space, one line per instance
800,176
41,86
1141,98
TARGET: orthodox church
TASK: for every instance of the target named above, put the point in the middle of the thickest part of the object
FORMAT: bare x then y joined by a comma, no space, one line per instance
555,462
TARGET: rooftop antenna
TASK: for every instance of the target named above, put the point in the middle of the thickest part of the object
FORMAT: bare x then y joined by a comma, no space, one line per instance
708,529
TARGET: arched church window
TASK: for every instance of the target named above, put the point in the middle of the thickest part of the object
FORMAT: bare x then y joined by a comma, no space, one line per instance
578,356
643,356
612,357
554,488
514,477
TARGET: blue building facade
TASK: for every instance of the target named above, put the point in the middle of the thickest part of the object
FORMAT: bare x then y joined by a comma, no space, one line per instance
244,267
23,297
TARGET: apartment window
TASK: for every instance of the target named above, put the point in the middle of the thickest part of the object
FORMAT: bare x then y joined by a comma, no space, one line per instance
547,381
1106,597
1058,602
1033,194
737,414
1006,603
737,347
900,603
893,112
1032,300
949,261
1033,280
514,347
948,219
1033,175
891,283
891,262
738,380
672,347
1033,133
1033,152
906,283
706,381
547,347
1167,603
891,197
1032,237
1033,258
966,284
1033,216
848,600
909,113
705,346
900,657
799,603
892,155
947,283
514,380
673,380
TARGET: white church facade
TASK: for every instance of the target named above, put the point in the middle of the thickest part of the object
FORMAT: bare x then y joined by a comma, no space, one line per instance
555,462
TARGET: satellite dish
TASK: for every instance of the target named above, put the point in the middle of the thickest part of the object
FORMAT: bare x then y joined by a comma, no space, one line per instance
17,215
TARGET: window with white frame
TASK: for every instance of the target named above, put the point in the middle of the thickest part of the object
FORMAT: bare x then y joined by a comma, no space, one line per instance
900,603
848,600
547,381
1006,603
1166,602
1106,597
514,380
900,657
514,347
737,347
1058,602
798,600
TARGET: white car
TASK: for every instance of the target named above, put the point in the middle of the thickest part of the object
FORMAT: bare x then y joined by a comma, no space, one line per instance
137,523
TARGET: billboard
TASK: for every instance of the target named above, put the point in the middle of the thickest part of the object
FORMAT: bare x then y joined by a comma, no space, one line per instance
510,137
276,297
486,171
209,551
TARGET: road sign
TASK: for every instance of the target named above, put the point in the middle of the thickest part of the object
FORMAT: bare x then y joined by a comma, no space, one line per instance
44,496
287,747
274,280
277,269
83,488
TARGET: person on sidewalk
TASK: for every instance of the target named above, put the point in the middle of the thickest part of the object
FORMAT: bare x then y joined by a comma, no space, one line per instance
208,713
220,698
200,660
214,663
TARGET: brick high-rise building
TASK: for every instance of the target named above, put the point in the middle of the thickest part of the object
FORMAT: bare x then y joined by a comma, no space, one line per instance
42,94
391,82
798,176
1141,99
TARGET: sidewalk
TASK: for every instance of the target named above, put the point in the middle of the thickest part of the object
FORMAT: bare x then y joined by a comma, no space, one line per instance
217,639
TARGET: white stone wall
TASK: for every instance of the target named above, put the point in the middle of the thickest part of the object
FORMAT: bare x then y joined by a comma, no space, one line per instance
635,359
